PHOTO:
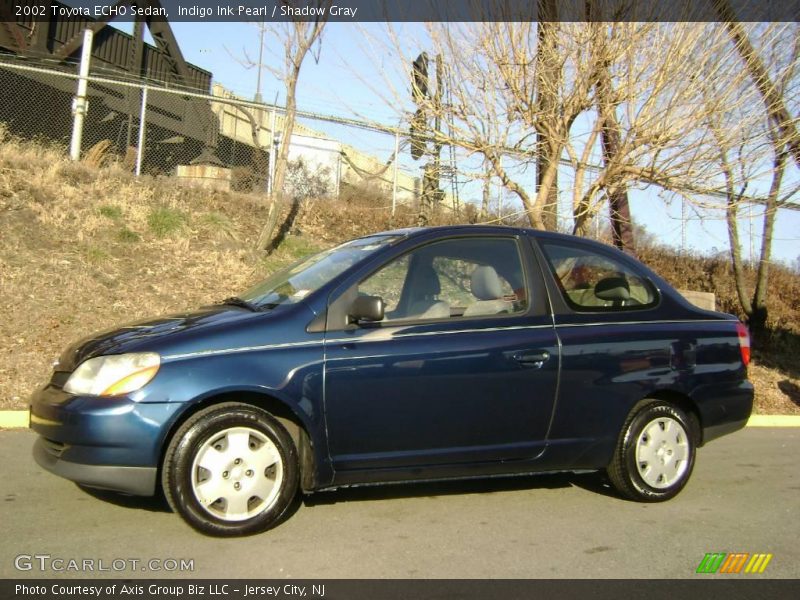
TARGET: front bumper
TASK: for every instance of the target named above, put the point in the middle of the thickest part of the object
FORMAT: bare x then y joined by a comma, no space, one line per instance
109,443
139,481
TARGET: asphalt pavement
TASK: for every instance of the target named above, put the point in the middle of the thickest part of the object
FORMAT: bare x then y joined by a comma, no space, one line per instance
744,496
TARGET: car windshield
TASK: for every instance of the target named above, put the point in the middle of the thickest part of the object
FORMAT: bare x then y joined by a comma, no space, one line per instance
295,282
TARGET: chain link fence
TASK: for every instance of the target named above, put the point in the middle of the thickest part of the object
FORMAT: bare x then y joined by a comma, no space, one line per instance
221,141
215,139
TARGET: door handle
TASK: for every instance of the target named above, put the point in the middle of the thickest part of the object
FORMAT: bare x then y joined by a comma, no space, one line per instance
532,359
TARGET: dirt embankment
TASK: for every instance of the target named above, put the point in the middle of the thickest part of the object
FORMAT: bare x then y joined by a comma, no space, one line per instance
83,249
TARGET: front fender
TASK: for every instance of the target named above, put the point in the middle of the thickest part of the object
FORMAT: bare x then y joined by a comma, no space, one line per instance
291,376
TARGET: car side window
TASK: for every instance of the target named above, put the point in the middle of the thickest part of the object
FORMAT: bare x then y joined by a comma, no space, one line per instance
463,277
387,283
591,281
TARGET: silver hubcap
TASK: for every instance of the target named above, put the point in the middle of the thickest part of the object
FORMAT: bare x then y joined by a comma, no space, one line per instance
662,452
237,474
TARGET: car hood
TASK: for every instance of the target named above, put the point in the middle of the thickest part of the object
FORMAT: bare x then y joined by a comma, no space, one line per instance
142,335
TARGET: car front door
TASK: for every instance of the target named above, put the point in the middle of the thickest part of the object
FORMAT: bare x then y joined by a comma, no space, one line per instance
462,369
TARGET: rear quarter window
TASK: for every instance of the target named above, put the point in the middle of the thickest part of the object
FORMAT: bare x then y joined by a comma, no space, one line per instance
592,281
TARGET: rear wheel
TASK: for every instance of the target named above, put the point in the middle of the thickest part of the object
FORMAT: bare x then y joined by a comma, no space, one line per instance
231,469
655,453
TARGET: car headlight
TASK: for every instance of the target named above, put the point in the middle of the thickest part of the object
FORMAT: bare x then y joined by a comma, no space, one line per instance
113,375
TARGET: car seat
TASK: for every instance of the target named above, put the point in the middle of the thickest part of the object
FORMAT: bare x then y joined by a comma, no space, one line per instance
426,304
487,288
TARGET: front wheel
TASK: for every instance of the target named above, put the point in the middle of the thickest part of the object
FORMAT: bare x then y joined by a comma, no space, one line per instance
231,469
655,453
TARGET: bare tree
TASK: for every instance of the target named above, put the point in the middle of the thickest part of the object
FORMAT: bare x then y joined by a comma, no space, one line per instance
610,137
629,110
626,78
297,40
752,147
549,72
770,94
654,117
501,109
755,305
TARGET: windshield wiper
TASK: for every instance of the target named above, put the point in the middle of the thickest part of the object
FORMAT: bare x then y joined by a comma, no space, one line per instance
236,301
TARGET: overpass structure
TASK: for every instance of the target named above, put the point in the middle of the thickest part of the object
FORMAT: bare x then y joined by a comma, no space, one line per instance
57,42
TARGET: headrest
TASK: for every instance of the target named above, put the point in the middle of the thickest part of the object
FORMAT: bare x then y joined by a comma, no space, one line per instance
427,282
485,283
613,288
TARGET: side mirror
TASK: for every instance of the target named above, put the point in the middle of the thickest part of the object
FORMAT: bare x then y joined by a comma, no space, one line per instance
615,289
366,308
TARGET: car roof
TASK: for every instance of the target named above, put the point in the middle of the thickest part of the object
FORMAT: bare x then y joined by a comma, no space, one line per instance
499,229
539,234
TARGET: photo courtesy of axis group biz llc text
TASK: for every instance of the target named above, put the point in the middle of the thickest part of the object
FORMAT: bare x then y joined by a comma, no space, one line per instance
169,590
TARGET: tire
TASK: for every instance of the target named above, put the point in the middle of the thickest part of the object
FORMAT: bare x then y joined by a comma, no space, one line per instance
231,469
655,453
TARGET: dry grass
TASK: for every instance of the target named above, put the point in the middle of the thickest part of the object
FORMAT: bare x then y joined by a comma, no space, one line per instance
777,390
83,249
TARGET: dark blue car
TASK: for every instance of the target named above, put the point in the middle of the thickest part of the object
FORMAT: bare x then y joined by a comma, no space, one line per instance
409,355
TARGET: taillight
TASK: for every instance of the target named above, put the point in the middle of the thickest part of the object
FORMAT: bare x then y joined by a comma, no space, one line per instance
744,342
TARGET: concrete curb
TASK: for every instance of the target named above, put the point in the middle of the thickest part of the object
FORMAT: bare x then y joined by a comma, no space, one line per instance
12,419
774,421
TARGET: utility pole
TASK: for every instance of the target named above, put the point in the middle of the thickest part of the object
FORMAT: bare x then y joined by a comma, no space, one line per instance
273,147
258,97
142,125
437,125
431,194
683,226
487,190
80,105
396,159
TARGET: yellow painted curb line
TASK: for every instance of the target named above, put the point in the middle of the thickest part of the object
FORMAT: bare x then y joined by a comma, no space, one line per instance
10,419
774,421
13,418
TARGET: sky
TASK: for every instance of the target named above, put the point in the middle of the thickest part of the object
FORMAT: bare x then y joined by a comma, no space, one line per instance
353,77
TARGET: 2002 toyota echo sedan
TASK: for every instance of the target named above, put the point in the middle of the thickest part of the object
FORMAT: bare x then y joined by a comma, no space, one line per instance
409,355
